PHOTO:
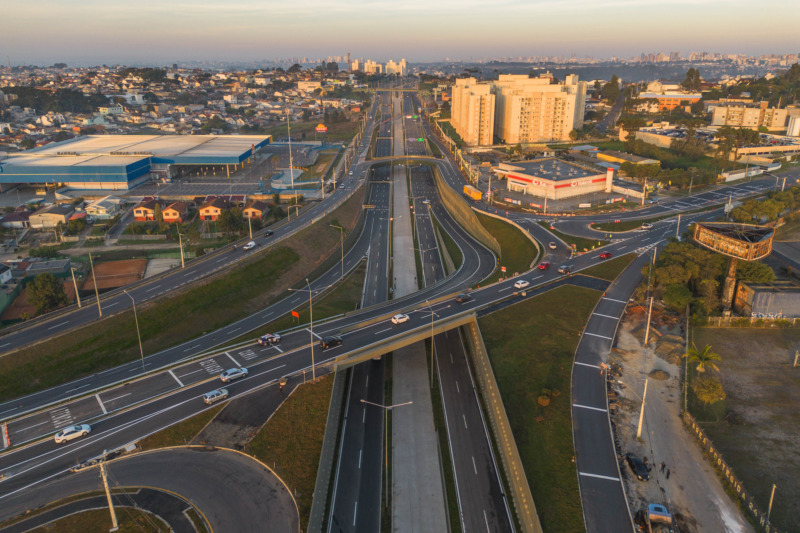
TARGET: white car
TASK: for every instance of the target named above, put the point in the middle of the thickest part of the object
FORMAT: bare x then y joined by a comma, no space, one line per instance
521,284
249,246
72,432
647,225
426,201
399,319
233,373
552,246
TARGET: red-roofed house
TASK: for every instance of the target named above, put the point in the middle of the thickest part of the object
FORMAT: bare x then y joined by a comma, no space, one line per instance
175,212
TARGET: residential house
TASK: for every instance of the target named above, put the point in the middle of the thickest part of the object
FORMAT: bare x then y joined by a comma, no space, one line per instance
104,208
256,210
5,274
51,216
212,208
146,210
175,212
16,220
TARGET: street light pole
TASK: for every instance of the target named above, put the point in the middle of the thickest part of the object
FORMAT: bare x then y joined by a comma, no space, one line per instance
341,234
386,409
138,334
311,323
94,282
641,413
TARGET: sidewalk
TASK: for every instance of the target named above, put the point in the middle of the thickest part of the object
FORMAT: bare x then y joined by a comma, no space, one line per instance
417,490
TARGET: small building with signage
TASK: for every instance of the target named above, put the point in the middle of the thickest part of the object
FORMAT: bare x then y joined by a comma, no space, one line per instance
776,299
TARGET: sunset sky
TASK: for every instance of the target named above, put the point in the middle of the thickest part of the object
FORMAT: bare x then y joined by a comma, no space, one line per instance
88,32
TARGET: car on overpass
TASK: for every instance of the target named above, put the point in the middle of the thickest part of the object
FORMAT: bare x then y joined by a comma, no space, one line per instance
330,342
215,396
269,339
233,373
72,432
399,319
463,298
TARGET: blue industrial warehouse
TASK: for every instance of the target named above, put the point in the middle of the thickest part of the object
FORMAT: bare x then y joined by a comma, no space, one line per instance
120,162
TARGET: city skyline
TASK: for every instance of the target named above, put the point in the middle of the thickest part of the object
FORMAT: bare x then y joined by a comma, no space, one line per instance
94,32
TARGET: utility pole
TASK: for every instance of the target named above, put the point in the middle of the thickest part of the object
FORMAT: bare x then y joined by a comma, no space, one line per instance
180,243
250,224
644,191
647,331
96,292
641,413
114,524
771,497
678,228
75,284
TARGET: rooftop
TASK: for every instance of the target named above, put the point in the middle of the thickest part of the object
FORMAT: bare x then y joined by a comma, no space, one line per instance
553,169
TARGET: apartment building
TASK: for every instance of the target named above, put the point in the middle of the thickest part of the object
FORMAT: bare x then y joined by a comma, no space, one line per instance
531,110
399,68
473,111
742,116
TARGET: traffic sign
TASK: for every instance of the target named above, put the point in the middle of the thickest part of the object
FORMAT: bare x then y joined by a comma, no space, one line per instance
368,206
502,269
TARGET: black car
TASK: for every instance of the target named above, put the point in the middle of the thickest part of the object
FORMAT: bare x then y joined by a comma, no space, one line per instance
330,342
637,467
268,233
565,269
463,298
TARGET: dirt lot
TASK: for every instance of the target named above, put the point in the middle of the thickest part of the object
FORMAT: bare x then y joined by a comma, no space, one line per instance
20,306
763,390
692,491
115,274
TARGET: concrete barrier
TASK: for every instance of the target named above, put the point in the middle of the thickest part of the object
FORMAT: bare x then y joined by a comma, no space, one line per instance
521,497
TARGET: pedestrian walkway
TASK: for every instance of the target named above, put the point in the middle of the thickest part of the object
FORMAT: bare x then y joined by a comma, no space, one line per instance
417,490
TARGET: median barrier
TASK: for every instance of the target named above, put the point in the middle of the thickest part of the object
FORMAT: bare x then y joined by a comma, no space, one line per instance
521,497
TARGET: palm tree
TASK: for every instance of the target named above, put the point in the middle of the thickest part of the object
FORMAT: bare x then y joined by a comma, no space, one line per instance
704,358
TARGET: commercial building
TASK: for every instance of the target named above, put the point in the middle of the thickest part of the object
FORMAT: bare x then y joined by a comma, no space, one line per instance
51,216
472,111
776,299
667,101
554,179
119,162
531,110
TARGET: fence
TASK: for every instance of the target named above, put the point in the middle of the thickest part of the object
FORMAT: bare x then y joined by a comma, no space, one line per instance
751,322
729,478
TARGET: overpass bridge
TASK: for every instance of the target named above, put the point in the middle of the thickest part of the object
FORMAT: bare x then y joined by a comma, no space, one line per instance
405,158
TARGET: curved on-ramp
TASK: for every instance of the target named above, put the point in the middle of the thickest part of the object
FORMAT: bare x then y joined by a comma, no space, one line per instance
233,491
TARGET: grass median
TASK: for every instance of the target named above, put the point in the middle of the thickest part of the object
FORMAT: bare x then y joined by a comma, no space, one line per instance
609,270
581,244
99,521
234,294
291,441
181,433
517,252
532,346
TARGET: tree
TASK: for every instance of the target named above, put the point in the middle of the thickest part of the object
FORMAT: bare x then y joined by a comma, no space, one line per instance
611,90
46,292
230,221
27,143
676,296
158,215
692,81
294,68
708,390
704,358
754,272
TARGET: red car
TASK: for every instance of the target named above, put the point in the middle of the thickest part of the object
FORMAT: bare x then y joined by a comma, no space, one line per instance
544,265
605,255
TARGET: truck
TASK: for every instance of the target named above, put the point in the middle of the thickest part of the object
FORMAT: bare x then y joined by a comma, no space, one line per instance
473,193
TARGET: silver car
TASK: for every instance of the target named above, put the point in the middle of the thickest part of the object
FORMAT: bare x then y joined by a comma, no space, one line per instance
215,396
72,432
233,373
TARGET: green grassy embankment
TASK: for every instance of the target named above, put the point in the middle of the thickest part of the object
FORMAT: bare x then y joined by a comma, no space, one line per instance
581,244
517,252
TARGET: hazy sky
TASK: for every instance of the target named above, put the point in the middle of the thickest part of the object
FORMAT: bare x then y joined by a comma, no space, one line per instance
89,32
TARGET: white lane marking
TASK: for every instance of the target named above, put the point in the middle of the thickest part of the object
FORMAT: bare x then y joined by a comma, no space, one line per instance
465,420
355,513
599,476
102,407
586,364
317,336
474,466
171,373
33,426
383,331
509,287
233,330
606,316
588,407
615,300
359,458
110,305
151,289
458,389
58,325
201,369
118,397
232,359
601,336
192,347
